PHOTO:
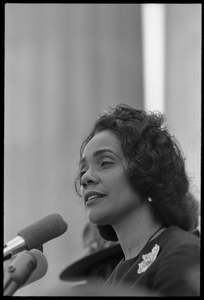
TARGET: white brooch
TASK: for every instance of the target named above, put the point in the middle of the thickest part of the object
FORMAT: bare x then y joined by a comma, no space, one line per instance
148,259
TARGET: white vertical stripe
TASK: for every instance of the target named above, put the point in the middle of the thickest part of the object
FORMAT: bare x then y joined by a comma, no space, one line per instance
153,31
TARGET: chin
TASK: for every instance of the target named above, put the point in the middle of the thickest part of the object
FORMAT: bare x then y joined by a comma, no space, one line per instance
98,218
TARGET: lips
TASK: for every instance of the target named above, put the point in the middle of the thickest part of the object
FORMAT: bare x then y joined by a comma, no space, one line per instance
93,195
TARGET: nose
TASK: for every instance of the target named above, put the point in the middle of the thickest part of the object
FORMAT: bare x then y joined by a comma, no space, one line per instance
89,178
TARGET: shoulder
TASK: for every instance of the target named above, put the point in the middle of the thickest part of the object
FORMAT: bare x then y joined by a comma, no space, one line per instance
178,263
174,237
170,271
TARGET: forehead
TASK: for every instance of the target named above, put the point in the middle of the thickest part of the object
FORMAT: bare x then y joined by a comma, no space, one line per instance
101,141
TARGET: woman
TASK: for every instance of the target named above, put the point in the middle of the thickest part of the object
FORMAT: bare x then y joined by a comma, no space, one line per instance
133,181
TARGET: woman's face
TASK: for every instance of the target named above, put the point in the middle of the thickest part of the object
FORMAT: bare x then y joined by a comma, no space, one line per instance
107,193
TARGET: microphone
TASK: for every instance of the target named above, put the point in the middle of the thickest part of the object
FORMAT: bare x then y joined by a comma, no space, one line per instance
41,269
27,267
36,234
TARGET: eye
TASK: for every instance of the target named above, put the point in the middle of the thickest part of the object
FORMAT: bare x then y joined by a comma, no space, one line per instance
81,173
105,163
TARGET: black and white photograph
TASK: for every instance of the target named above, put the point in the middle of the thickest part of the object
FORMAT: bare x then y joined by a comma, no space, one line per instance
102,149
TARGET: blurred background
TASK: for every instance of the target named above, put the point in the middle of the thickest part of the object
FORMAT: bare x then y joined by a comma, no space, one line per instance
64,65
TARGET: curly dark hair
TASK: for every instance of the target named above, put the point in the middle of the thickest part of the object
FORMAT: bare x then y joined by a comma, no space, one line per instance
155,164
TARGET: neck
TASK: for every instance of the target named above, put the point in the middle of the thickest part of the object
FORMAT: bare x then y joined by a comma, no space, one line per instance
135,231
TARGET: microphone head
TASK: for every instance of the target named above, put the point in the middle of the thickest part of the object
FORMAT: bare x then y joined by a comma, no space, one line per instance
43,231
40,270
41,265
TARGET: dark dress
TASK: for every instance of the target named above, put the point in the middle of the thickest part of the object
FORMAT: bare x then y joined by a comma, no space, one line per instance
171,267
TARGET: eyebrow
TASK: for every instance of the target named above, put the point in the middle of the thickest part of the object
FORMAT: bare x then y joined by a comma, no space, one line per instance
97,153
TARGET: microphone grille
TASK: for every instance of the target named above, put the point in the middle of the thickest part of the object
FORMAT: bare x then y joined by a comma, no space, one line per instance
43,231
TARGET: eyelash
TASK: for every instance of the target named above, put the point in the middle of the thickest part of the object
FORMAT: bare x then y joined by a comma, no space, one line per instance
81,174
105,162
102,164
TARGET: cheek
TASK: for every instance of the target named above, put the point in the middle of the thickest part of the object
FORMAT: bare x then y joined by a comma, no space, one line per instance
122,191
123,182
120,186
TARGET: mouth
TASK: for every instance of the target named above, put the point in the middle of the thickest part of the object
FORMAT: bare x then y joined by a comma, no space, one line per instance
93,196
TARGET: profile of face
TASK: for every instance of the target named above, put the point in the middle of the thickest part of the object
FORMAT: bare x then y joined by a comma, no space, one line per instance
108,195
